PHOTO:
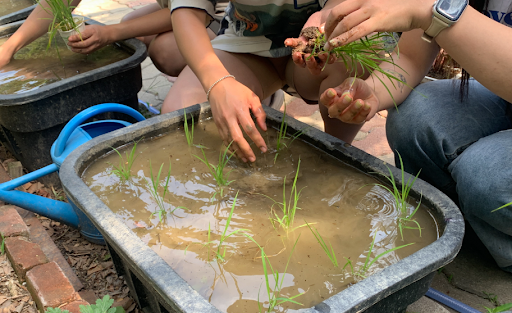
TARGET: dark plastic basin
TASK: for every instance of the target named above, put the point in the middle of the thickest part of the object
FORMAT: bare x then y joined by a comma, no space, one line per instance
30,122
17,16
157,288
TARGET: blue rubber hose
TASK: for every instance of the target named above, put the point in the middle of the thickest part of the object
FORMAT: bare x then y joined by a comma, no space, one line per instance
450,302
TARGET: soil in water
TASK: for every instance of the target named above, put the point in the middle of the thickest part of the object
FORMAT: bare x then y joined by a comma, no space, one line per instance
342,203
35,66
11,6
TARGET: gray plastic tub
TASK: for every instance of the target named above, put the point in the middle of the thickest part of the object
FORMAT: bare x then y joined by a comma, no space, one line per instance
17,16
30,122
157,288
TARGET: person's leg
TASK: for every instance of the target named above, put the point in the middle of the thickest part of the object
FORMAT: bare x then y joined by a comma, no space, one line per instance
261,75
165,54
463,149
483,177
431,128
311,87
162,48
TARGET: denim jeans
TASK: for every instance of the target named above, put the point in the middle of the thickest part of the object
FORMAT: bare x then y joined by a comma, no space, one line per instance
465,150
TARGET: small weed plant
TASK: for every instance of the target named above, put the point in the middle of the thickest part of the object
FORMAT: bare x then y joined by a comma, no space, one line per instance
288,208
501,308
2,244
124,169
274,292
400,196
102,306
189,133
217,171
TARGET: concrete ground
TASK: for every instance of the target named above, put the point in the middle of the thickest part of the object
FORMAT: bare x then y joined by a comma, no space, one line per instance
472,278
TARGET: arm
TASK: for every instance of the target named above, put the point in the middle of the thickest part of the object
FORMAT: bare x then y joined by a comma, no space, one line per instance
480,45
231,101
97,36
34,27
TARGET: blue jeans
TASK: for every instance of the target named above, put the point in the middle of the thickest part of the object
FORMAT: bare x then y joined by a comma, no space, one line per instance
465,150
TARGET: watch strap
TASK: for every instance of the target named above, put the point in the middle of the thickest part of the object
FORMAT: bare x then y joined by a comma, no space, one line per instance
434,29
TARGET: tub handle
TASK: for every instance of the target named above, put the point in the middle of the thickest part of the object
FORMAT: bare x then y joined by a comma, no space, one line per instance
60,143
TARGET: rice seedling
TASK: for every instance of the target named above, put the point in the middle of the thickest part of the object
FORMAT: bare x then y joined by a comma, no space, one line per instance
330,253
501,207
288,208
400,196
62,17
189,133
123,171
274,293
221,255
368,53
281,135
160,199
367,264
218,170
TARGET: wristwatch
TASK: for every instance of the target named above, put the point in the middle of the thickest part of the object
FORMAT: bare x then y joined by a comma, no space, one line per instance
445,13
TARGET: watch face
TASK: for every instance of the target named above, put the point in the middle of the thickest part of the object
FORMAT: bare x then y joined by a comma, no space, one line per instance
451,9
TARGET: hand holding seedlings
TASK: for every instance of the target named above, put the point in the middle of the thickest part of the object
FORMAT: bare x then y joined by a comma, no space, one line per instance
351,102
93,38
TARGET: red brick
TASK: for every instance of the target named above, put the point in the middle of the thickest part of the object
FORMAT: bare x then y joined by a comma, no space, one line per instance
74,307
11,223
24,255
50,287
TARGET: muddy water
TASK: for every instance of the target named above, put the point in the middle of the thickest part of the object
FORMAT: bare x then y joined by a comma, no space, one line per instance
35,66
342,203
11,6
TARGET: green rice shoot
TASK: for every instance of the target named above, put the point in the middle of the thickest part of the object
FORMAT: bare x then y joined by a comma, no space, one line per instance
274,293
189,133
221,255
217,171
362,272
288,208
401,196
281,136
330,252
123,170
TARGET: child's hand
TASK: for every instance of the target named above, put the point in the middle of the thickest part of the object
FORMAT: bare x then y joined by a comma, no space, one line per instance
351,102
92,38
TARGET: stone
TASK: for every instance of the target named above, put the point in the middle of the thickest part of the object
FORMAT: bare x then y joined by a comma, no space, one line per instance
11,223
50,287
24,255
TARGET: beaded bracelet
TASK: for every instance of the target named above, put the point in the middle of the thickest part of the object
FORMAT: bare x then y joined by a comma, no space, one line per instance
215,83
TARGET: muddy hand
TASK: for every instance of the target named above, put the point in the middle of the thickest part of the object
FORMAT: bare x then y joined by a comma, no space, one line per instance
231,104
92,38
351,102
316,63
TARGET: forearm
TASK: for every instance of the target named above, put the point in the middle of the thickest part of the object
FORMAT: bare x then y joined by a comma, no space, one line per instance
194,44
150,24
34,27
482,47
411,64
